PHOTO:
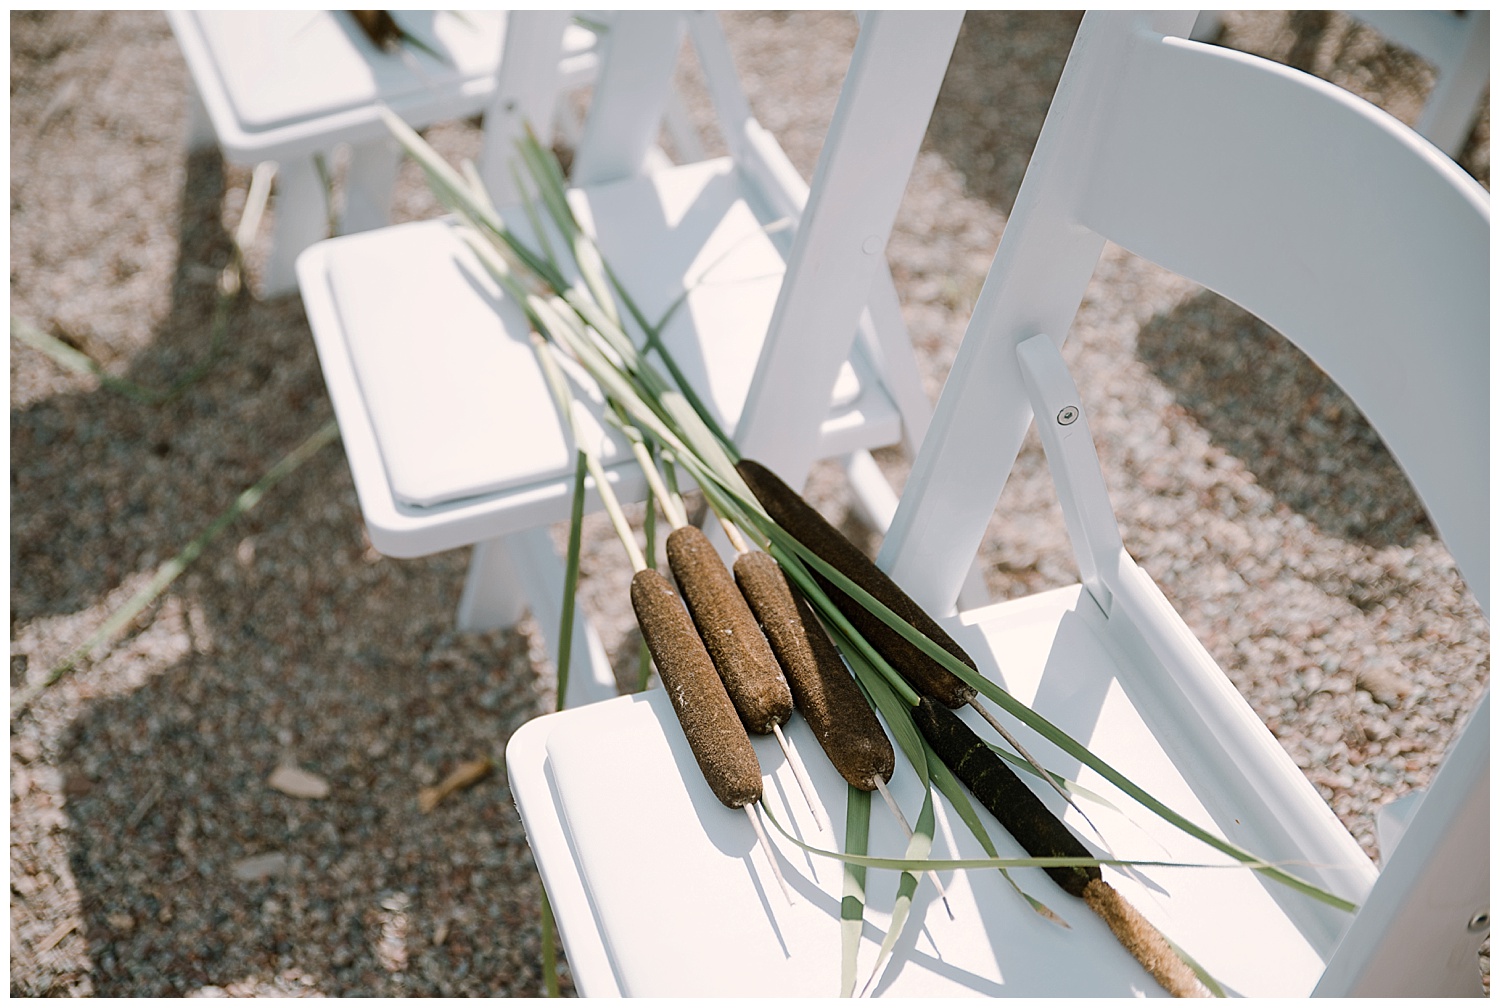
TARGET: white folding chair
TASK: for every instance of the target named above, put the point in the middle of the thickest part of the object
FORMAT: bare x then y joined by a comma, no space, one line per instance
292,86
446,419
1370,254
1457,45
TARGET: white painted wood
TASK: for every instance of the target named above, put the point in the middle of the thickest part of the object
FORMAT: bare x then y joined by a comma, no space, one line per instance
528,83
1287,240
368,183
420,414
1420,932
1457,45
1455,42
1063,425
300,216
1371,255
635,77
286,86
1454,104
847,221
730,932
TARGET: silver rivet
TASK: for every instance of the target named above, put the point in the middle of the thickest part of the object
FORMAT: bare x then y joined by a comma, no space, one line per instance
1067,415
1479,922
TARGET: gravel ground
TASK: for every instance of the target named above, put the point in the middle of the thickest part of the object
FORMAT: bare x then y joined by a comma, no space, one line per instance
163,842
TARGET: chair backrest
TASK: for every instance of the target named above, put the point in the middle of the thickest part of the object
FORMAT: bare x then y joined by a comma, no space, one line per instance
1338,226
1310,208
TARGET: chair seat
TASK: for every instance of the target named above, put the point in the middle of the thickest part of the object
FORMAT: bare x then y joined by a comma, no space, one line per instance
281,83
612,799
416,406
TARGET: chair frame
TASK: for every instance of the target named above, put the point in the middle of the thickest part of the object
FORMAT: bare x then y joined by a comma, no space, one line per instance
1113,644
842,237
301,210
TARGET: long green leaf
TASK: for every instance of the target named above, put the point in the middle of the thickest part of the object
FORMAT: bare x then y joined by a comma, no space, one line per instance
570,581
954,864
852,905
1072,787
917,848
547,175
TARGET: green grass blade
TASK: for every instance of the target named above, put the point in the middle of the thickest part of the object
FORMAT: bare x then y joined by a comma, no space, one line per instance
1072,787
549,949
852,905
568,406
919,865
541,164
1204,976
654,343
917,848
528,206
570,581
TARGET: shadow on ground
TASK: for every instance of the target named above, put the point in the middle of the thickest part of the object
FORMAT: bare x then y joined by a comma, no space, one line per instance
191,871
996,94
1262,401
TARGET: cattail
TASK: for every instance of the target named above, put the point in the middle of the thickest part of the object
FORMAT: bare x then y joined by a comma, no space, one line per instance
803,522
708,719
734,640
824,691
379,27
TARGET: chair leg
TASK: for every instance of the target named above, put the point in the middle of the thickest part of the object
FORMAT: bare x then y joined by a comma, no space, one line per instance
301,211
888,341
505,577
492,597
371,178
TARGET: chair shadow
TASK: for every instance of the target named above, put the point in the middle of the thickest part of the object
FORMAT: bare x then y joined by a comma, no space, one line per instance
105,486
1264,402
259,653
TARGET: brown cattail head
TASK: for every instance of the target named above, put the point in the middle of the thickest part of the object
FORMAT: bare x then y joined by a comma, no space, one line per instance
1007,797
708,719
728,629
799,518
822,687
379,27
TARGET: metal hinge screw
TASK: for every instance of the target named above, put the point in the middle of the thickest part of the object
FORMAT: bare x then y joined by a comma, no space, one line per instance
1479,922
1067,415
